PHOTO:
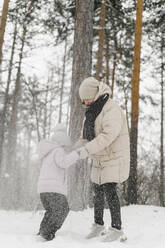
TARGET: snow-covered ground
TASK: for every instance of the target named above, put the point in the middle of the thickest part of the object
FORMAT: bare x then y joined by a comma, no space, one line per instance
143,225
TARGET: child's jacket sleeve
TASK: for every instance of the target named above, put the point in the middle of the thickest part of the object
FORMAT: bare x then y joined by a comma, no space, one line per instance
64,160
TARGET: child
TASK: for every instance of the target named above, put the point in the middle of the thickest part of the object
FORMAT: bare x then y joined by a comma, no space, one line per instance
52,184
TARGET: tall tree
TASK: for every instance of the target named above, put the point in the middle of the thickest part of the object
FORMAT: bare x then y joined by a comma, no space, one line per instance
107,57
162,200
81,68
12,135
132,182
12,187
62,82
6,96
3,25
101,32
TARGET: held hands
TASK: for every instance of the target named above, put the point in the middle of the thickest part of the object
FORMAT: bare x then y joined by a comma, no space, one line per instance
83,153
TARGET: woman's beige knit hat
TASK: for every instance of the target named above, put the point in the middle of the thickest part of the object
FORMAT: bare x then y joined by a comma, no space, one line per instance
89,88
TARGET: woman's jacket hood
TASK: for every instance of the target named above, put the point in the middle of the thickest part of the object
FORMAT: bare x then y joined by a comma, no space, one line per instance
103,89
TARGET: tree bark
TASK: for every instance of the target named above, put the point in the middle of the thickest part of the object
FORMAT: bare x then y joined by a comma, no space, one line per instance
45,113
113,72
162,201
82,61
132,182
3,25
107,56
62,83
101,40
11,168
6,97
114,61
81,68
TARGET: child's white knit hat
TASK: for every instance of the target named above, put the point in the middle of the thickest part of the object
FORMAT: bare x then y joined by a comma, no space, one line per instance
60,135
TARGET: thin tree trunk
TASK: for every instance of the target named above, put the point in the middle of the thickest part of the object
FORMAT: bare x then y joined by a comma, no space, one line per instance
50,117
113,73
162,201
50,114
3,25
11,168
36,116
126,105
101,40
25,192
67,114
82,65
62,82
107,56
12,124
6,97
114,65
45,112
50,106
132,182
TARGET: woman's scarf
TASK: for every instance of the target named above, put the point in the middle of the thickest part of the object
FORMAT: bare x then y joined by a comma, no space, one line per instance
91,114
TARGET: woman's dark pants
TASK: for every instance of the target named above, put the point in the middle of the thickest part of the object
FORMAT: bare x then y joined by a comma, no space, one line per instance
107,190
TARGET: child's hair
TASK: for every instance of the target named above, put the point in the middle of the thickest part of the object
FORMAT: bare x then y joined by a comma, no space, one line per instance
60,135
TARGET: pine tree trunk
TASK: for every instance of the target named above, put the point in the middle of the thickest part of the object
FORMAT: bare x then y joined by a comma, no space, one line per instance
26,176
50,113
82,61
13,120
36,116
101,40
3,25
162,201
6,97
107,56
45,114
126,107
113,73
11,165
132,182
81,68
62,82
114,65
68,113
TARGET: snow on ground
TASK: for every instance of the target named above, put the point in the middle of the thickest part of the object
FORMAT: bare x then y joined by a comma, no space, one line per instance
143,225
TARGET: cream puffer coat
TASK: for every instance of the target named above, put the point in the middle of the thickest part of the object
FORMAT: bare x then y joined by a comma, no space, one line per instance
110,149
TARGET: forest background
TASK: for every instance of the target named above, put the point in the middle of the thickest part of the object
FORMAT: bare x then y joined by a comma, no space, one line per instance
48,48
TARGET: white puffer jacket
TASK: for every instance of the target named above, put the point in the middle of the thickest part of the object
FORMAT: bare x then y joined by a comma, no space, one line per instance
110,149
55,161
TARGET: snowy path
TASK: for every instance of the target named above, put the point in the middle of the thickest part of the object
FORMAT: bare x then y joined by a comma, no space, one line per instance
144,226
